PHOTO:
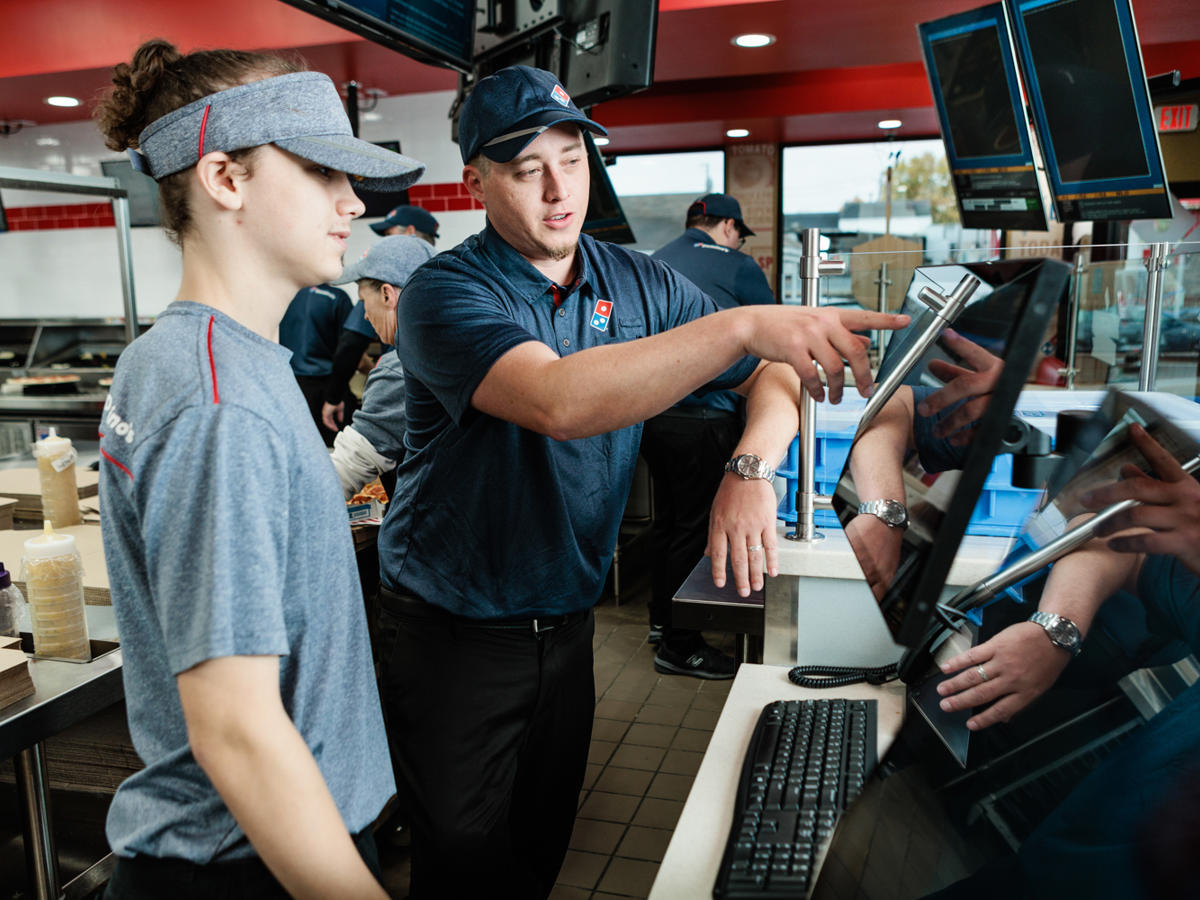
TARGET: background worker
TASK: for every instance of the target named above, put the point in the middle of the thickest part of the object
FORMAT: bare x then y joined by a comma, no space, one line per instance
356,332
686,446
372,444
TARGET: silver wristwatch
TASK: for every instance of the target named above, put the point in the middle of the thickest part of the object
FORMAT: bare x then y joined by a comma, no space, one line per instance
1061,631
891,513
750,466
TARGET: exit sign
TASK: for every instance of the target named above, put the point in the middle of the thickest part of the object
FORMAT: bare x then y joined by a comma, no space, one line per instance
1177,118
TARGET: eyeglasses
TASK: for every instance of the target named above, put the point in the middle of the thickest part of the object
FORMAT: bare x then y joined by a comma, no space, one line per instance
741,243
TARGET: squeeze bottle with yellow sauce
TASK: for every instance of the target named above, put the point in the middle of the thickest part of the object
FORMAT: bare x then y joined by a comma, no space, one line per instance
56,471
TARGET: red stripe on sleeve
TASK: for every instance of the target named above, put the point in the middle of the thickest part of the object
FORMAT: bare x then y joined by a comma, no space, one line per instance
211,364
104,453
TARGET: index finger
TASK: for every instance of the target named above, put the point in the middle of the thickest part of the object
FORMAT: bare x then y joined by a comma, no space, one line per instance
863,319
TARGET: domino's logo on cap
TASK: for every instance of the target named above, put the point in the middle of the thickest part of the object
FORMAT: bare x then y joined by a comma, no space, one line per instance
560,95
601,315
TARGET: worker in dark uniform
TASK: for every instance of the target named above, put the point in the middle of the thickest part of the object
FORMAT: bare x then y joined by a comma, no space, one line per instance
357,333
408,220
686,447
310,329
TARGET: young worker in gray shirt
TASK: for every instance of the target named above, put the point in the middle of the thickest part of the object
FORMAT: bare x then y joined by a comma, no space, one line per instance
249,685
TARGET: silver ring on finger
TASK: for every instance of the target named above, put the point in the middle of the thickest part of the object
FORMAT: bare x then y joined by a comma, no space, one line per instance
754,548
982,673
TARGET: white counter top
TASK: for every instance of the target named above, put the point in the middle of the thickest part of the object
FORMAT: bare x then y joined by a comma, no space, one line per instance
690,865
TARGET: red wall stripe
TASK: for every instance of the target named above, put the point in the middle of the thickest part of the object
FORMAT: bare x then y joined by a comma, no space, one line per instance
436,198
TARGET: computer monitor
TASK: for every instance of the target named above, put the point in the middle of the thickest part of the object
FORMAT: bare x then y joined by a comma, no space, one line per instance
972,70
1091,106
380,203
439,32
940,479
141,189
605,219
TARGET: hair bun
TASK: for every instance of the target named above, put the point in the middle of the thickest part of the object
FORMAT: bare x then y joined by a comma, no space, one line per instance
124,112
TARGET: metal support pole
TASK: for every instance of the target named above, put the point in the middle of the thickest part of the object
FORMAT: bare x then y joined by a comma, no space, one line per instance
1155,263
33,787
120,207
812,267
1074,305
884,283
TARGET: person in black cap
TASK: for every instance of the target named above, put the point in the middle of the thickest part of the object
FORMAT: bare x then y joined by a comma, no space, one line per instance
532,354
408,220
686,446
356,333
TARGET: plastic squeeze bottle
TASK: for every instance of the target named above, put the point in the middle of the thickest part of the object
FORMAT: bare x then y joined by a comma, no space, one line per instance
54,580
56,471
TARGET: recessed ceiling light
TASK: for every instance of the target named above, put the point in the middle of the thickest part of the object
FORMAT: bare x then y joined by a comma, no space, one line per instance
372,117
63,101
737,133
754,40
600,141
47,141
890,124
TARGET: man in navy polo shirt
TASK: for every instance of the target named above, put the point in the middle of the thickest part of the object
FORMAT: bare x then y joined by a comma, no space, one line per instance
686,445
533,354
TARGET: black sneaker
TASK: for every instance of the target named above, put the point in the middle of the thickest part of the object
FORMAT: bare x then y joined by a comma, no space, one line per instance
654,636
702,662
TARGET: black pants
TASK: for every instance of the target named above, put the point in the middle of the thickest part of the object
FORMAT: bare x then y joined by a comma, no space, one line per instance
313,389
147,878
686,455
490,729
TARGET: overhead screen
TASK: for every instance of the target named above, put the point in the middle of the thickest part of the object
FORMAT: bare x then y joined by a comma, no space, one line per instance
436,31
1087,88
973,71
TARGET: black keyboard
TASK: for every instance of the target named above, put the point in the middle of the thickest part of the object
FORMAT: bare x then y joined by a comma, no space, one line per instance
807,762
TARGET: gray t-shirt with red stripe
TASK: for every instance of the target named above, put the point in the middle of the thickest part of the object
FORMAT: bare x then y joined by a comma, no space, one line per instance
225,534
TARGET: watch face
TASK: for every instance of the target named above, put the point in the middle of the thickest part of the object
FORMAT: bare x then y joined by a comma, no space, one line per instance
1064,632
893,513
750,466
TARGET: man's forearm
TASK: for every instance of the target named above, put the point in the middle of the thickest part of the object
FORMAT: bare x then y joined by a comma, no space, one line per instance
350,348
772,413
1081,581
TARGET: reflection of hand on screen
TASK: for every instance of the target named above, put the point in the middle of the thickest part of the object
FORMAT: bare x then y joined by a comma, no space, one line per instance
1020,665
877,548
1169,510
969,385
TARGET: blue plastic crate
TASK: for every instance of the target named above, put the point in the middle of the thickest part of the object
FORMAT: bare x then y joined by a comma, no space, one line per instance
1000,512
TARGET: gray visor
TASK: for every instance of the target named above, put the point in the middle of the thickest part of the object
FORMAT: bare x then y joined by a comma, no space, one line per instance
300,113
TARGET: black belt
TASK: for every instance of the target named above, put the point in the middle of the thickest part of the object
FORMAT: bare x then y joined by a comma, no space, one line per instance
403,604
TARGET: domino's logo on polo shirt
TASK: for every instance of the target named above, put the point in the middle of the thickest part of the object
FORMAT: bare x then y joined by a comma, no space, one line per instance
601,314
560,95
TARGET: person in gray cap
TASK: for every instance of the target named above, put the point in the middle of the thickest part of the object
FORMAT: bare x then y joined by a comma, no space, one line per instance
356,333
532,353
685,446
373,442
249,683
409,220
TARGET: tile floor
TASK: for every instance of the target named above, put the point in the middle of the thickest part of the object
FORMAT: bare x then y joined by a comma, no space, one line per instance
648,737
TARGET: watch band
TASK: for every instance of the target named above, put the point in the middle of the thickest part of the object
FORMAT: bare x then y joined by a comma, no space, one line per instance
891,513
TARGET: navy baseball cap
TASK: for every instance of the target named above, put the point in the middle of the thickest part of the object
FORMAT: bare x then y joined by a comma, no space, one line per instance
404,216
723,207
506,111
